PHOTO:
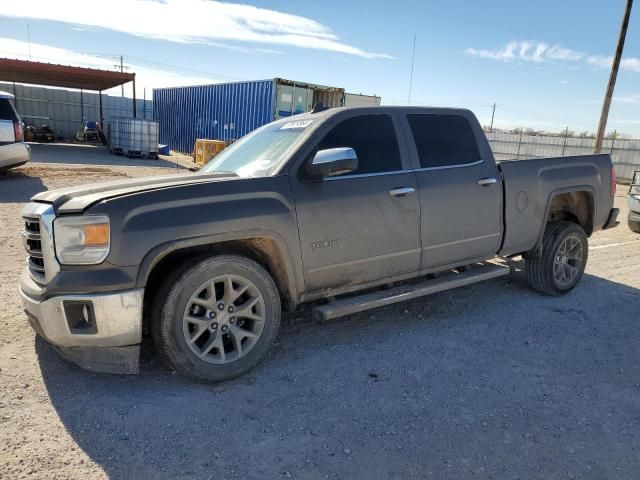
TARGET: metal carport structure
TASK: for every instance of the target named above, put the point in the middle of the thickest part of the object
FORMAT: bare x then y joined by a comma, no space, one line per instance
81,78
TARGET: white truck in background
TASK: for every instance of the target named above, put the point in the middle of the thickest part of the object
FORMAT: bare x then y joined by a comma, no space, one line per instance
13,151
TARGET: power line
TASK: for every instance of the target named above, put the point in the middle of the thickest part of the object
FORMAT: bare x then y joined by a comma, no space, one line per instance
168,66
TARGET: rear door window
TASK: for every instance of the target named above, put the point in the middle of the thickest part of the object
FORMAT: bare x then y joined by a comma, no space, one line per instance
6,110
373,138
443,140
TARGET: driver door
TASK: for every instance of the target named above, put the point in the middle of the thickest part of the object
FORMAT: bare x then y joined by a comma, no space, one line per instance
362,226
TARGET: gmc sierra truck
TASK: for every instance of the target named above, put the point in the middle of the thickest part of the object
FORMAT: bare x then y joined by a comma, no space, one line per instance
351,208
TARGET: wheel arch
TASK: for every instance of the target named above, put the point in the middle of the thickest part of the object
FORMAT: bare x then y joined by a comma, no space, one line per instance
269,251
575,204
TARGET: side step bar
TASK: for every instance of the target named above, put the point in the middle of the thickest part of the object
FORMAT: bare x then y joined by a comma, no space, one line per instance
444,281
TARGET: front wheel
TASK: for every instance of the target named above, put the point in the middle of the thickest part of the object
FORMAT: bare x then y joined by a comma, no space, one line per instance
219,318
558,269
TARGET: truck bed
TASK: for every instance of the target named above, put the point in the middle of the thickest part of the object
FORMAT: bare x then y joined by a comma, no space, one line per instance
529,186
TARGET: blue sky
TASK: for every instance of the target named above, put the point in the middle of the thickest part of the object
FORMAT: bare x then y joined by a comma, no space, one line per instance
544,63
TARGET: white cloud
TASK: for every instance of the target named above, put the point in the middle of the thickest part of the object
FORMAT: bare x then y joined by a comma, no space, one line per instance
631,64
191,21
145,76
633,98
539,52
528,51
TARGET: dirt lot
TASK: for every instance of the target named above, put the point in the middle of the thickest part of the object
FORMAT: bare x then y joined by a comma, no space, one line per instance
492,381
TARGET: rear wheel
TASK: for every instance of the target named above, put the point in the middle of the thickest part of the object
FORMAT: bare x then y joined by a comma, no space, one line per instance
219,318
558,269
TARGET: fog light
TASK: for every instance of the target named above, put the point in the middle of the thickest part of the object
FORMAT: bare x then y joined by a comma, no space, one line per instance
80,317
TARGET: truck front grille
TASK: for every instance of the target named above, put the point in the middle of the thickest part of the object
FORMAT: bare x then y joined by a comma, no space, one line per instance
33,245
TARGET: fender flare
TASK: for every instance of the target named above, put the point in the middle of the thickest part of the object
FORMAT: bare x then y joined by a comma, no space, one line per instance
591,195
161,251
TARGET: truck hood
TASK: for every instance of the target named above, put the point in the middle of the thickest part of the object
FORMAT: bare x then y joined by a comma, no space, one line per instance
77,199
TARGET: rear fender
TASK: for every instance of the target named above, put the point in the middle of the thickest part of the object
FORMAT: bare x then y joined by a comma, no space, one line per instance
582,215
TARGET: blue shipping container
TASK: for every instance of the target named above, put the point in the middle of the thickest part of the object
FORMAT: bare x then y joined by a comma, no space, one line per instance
222,111
228,111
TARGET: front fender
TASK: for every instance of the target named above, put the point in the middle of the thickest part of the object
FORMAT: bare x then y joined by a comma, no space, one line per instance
293,275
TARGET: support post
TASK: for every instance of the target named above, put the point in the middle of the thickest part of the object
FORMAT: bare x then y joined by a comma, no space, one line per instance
101,115
564,143
15,97
81,107
612,79
613,139
134,97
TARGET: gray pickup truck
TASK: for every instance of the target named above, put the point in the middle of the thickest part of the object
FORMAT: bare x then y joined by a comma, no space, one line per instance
350,208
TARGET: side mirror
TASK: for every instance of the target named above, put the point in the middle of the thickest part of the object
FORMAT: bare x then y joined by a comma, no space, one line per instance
333,161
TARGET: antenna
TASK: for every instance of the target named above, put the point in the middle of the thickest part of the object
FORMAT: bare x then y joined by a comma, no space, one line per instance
29,41
413,56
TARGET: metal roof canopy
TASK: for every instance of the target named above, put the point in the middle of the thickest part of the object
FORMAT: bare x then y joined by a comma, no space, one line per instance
37,73
81,78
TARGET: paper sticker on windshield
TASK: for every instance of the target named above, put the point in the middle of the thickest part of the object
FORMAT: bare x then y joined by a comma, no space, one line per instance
297,124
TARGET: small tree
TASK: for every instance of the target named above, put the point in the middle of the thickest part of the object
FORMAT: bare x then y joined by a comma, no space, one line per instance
612,135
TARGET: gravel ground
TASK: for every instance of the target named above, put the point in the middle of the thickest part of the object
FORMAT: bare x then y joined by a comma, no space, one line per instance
491,381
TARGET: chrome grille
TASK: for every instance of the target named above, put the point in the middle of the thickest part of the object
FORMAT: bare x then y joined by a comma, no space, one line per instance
37,237
33,244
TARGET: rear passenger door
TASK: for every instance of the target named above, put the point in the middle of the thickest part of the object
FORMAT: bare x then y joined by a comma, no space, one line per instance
460,190
362,226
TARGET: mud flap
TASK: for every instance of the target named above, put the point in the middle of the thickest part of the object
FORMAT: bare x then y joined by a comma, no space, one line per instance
612,221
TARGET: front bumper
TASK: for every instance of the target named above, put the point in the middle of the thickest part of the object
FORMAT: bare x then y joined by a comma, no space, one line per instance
109,338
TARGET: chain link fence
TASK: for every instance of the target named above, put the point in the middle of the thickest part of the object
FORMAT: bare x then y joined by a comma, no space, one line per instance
508,146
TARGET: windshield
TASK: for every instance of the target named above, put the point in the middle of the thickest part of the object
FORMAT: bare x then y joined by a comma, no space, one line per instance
259,153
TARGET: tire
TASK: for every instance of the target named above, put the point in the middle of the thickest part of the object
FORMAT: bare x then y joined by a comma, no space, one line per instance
189,328
633,225
541,271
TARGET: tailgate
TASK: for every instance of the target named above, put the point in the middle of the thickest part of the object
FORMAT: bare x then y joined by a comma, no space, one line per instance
7,132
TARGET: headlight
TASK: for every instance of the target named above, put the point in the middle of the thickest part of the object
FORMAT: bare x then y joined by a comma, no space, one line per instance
82,240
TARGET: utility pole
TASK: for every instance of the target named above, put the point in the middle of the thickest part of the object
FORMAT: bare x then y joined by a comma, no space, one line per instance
492,115
413,56
612,79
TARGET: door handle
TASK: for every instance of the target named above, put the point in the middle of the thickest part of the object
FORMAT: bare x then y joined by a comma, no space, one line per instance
486,181
401,191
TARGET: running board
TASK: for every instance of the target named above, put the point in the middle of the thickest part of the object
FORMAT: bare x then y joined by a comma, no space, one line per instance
444,281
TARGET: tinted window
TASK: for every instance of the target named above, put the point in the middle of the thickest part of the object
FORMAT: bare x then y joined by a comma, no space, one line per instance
372,137
443,140
6,110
